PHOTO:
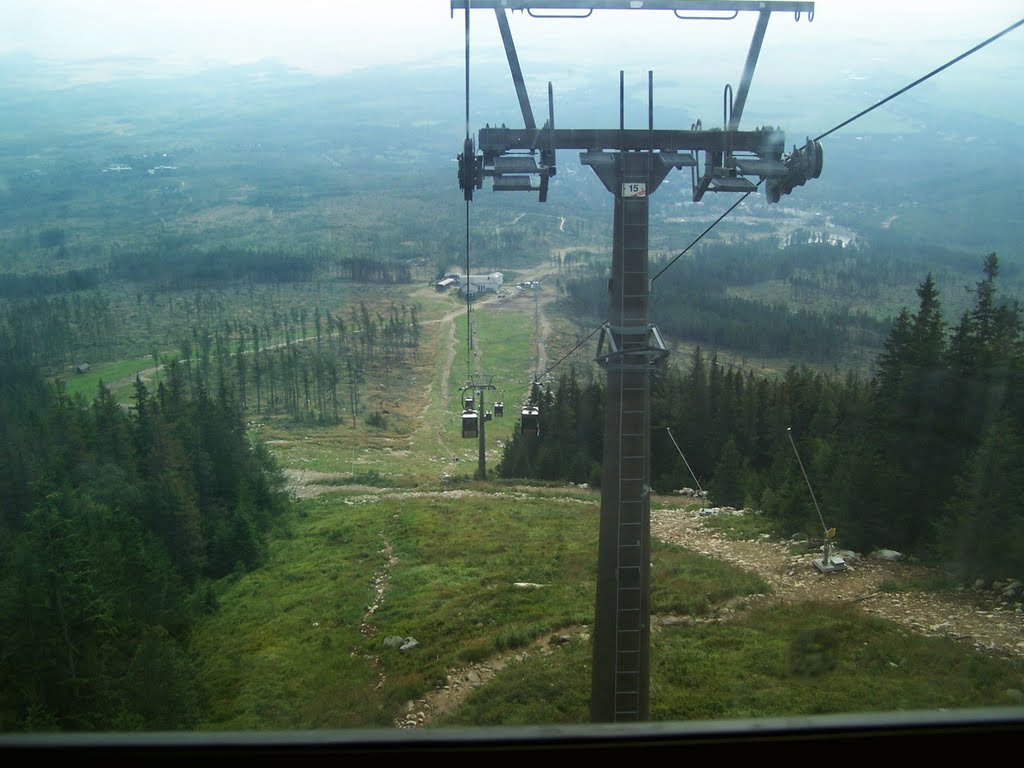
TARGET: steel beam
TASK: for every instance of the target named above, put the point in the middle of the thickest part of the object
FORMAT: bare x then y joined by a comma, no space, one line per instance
724,6
748,70
516,70
496,141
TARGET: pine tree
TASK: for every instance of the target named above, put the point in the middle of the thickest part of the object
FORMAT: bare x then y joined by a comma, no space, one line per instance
983,532
728,486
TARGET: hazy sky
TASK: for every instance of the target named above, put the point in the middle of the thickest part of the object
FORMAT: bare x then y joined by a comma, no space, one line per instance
854,52
330,36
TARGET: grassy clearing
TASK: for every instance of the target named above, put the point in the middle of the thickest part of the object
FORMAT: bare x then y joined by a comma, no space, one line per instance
815,659
86,384
453,586
769,662
285,649
686,583
277,653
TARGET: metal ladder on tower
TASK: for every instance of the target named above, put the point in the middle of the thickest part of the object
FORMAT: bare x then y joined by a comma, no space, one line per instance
630,594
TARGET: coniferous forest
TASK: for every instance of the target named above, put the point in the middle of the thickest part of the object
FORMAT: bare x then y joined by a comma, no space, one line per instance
113,522
919,456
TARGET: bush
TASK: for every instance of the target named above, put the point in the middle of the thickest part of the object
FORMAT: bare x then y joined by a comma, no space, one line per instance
377,420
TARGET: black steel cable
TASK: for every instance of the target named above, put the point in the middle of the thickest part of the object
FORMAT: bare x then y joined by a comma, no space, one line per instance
920,80
562,359
701,235
860,114
467,180
467,68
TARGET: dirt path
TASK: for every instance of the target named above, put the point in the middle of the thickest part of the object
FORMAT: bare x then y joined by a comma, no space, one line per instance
544,333
448,346
976,618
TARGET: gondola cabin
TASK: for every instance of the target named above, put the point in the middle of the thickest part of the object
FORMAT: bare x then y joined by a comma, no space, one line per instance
499,409
469,423
468,402
530,421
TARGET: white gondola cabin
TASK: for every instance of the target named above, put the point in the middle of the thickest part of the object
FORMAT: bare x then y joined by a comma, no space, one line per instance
470,424
468,402
499,409
530,421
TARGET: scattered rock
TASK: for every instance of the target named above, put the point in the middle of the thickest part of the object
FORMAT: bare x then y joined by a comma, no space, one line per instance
887,554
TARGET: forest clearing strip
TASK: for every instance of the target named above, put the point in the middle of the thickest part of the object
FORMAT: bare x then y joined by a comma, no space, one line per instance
977,619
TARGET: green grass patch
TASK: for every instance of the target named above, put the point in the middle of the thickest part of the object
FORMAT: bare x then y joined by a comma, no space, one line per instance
815,659
86,384
459,566
685,582
778,661
740,527
470,576
467,575
369,477
278,654
550,689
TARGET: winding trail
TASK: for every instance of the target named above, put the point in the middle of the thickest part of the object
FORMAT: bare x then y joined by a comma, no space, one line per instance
446,342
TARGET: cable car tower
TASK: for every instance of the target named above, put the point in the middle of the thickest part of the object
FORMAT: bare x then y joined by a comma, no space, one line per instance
631,163
474,417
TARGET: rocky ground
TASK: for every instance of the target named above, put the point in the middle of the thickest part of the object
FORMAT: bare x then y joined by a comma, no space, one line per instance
974,617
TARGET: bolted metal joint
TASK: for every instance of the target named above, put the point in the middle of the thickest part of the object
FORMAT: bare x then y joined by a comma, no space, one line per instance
802,165
649,354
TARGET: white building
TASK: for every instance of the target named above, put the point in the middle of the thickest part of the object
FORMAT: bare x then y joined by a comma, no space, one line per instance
481,283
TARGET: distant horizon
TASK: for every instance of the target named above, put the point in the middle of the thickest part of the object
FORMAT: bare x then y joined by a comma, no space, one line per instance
953,141
809,74
327,37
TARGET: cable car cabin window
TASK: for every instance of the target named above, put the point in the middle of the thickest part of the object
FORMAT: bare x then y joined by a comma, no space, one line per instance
530,421
469,424
287,271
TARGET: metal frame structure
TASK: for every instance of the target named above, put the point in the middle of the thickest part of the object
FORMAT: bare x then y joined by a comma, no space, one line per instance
478,384
631,163
529,421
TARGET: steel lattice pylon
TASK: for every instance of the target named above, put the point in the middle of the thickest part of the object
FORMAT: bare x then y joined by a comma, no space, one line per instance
631,163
